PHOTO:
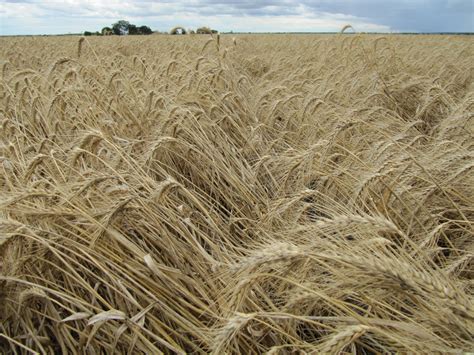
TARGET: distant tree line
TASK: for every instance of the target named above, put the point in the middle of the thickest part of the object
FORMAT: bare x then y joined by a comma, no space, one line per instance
178,30
121,28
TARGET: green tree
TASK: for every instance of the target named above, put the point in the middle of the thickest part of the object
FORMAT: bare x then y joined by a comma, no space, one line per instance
133,30
204,30
106,31
145,30
121,27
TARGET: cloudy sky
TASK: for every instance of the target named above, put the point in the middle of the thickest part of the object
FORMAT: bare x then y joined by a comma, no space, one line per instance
74,16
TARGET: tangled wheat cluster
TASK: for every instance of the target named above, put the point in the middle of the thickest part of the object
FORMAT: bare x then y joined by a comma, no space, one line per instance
278,194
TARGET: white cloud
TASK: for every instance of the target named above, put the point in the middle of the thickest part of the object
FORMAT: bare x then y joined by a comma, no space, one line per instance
53,16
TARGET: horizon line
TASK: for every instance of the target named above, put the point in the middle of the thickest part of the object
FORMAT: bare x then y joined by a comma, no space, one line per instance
253,32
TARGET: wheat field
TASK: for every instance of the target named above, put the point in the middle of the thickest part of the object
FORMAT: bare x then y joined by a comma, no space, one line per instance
252,194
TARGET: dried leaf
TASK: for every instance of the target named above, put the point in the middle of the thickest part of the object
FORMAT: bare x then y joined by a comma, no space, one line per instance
107,315
76,316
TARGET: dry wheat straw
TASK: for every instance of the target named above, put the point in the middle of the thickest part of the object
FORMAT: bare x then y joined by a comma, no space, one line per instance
279,193
342,339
